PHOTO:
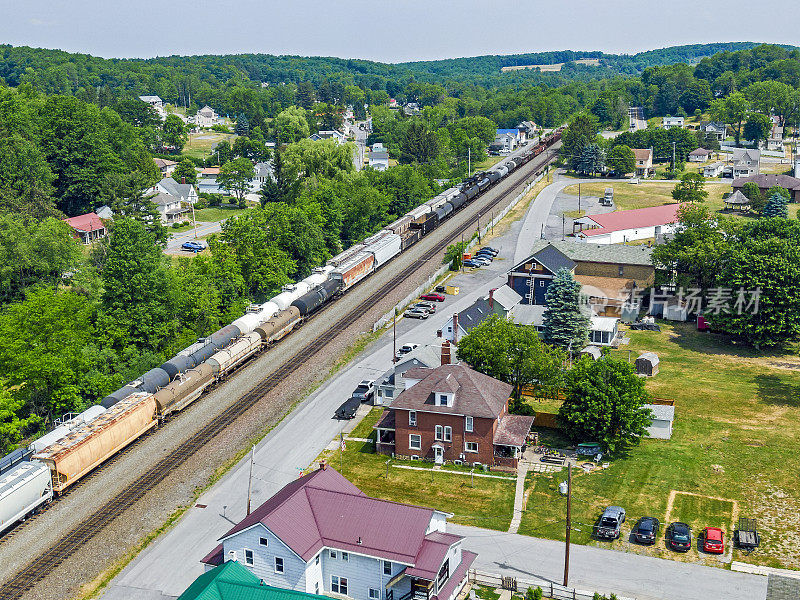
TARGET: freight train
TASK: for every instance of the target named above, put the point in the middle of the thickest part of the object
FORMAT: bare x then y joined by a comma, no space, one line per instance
32,477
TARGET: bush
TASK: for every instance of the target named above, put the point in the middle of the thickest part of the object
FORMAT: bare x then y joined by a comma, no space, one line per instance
220,128
200,204
533,594
176,224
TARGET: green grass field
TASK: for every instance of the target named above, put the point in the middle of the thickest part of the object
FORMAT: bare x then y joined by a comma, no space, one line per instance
646,194
736,425
199,145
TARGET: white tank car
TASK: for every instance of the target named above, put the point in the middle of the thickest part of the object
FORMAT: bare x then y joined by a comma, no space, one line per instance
238,351
22,490
319,276
255,316
289,294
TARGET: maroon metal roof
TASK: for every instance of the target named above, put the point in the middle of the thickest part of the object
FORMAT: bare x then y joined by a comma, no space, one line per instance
432,554
387,420
87,223
457,576
215,557
512,430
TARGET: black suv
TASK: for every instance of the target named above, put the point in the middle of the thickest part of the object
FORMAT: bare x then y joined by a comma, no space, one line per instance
646,530
679,537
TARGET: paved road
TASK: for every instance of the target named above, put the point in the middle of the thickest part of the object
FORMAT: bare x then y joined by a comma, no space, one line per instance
599,569
203,229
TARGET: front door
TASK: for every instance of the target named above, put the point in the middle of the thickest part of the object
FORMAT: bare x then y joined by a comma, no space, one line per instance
438,454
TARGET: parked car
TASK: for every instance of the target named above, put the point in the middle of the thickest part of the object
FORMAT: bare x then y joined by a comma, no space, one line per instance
405,349
679,537
430,307
348,408
713,540
485,255
433,296
440,288
491,251
364,390
646,530
472,263
482,261
610,523
416,313
193,246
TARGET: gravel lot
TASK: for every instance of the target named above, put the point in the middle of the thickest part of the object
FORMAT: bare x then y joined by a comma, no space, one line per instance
180,487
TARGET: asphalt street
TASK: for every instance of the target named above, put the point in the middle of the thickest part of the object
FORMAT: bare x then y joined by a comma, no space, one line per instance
171,563
203,230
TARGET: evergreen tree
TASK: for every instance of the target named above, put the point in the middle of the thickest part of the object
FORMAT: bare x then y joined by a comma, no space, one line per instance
564,322
284,186
242,125
776,206
592,160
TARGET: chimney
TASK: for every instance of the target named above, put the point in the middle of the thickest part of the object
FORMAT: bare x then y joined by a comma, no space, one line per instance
445,352
359,541
491,298
183,180
455,329
323,464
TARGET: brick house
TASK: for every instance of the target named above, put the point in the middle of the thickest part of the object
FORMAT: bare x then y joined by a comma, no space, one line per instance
453,414
765,182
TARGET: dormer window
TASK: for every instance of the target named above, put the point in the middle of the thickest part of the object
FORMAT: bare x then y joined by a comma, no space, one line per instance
443,398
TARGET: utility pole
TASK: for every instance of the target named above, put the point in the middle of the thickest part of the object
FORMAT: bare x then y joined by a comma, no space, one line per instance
563,224
569,524
461,255
394,336
479,228
469,161
579,197
250,479
673,156
194,220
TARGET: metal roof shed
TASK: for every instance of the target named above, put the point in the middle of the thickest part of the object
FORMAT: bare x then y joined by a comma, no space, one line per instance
647,364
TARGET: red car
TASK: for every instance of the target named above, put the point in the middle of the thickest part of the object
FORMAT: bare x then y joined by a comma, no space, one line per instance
713,540
432,297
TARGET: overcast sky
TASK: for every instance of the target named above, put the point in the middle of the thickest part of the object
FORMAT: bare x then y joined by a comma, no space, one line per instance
388,30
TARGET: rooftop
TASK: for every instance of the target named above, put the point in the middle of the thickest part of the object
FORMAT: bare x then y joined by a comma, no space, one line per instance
662,412
767,181
578,251
88,222
513,430
631,219
642,153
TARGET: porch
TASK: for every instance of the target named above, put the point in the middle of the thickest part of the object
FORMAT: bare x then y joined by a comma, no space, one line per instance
385,433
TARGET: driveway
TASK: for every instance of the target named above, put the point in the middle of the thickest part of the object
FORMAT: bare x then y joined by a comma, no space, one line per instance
606,571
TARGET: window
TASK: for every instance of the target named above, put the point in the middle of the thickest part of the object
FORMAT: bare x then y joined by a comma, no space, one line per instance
374,594
263,541
339,585
471,447
448,434
468,425
541,283
442,399
333,553
412,418
389,393
316,588
414,442
438,434
621,270
278,564
345,556
248,557
387,567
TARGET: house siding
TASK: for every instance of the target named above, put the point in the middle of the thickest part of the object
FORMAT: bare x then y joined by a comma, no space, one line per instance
643,275
361,572
294,568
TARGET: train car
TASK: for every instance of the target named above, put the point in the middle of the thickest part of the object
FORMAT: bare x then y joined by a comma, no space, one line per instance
13,458
175,365
385,247
184,390
23,489
502,171
354,270
311,301
409,238
471,191
189,350
151,381
494,177
436,202
401,225
279,325
318,276
444,211
426,223
483,184
235,354
87,447
458,201
289,294
255,316
417,213
50,438
346,255
510,165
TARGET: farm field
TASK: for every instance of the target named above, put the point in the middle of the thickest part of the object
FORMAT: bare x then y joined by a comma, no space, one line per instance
731,453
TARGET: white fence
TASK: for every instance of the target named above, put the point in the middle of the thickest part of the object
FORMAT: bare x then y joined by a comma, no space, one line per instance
549,589
387,318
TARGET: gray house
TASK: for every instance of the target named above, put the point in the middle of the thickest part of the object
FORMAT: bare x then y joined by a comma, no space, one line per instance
718,130
320,534
661,424
389,385
183,192
500,301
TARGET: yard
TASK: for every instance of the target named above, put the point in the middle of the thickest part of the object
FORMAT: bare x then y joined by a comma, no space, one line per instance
200,145
737,421
490,503
646,194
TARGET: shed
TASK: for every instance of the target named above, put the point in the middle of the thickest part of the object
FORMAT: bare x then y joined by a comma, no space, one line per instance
661,424
647,364
592,351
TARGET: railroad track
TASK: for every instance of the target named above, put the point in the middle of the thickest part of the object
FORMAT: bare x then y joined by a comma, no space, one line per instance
45,563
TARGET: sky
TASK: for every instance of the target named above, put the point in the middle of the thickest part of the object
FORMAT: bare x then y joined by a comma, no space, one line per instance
387,30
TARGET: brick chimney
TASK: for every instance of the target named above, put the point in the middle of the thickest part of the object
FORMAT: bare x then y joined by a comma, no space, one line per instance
491,298
323,464
183,180
455,329
445,352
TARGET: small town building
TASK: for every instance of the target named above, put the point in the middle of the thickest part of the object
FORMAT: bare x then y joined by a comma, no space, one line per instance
169,207
454,414
104,212
503,143
737,201
745,162
184,192
592,352
154,101
662,417
714,169
232,581
389,385
379,157
623,226
322,535
603,331
671,122
644,162
647,364
718,130
699,155
88,228
774,142
527,131
334,135
206,117
765,182
165,166
500,301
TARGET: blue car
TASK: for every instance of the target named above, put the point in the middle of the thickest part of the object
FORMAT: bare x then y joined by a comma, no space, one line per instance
193,246
471,263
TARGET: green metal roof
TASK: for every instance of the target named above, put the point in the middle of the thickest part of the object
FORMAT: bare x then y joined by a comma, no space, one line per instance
601,253
232,581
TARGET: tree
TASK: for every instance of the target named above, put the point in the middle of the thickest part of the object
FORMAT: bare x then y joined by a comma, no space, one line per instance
185,170
454,255
565,325
12,419
419,144
235,177
732,110
499,348
690,188
757,128
242,125
605,403
23,168
752,191
305,94
291,125
128,196
319,159
776,206
283,186
581,131
592,160
173,133
136,300
622,160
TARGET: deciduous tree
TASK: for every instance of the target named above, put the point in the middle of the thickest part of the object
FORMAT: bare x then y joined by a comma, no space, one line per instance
690,188
622,160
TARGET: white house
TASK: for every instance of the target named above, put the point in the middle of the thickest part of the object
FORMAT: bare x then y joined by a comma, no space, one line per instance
661,424
644,161
627,225
670,122
718,130
167,167
169,207
603,331
206,117
699,155
320,534
745,162
335,135
379,157
503,143
184,192
713,169
154,101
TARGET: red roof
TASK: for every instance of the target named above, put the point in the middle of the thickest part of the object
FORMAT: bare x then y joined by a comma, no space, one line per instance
432,554
633,219
323,509
88,222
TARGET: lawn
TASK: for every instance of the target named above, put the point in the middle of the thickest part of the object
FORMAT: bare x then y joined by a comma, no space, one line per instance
200,145
488,163
737,423
646,194
218,213
364,428
490,503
